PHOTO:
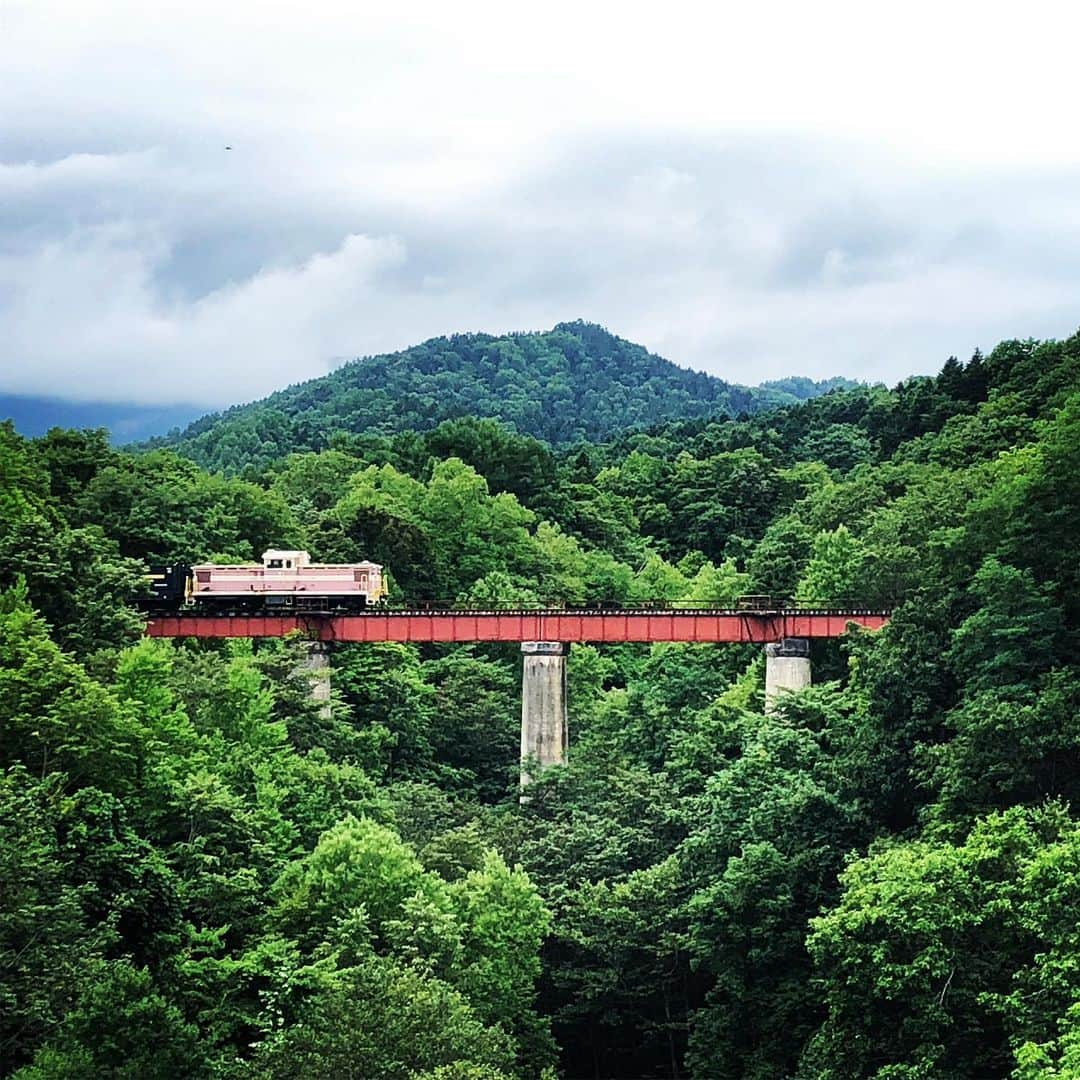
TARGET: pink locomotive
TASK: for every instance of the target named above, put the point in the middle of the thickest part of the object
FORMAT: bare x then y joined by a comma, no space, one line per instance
286,580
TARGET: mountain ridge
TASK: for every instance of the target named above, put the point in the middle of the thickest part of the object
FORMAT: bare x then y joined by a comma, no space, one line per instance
575,381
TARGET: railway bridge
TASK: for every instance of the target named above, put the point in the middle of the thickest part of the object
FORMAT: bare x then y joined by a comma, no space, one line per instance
545,637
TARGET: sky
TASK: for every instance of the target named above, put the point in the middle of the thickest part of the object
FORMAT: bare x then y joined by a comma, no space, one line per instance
754,190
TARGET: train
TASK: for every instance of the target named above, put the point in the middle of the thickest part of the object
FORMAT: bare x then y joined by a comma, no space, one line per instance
283,583
288,582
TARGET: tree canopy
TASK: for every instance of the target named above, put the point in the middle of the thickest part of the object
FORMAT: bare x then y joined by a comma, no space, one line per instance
207,874
576,381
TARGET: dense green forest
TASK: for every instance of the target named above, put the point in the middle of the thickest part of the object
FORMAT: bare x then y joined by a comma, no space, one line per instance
204,875
577,381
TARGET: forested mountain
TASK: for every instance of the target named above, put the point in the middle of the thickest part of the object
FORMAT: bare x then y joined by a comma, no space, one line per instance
203,875
574,382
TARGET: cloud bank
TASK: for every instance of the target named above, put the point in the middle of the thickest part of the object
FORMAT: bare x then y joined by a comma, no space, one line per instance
394,178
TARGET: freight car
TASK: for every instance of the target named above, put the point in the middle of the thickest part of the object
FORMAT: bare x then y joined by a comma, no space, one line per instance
285,581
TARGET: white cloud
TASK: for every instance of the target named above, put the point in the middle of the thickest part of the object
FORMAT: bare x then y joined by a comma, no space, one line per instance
757,190
86,321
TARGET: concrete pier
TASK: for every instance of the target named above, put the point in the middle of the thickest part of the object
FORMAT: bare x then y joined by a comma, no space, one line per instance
787,668
316,666
544,732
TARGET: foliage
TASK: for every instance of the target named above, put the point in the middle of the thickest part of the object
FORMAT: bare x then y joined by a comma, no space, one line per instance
203,873
576,381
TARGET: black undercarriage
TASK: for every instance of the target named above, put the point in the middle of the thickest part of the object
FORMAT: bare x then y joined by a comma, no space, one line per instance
280,604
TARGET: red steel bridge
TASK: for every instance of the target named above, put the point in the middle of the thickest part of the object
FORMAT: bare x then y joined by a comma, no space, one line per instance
556,624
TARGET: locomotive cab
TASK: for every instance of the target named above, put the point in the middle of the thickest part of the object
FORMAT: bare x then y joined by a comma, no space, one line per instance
285,561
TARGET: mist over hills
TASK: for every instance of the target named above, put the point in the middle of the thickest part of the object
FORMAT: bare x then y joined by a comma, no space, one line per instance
576,381
126,422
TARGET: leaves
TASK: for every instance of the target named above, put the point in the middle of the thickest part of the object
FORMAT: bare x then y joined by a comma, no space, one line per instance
202,873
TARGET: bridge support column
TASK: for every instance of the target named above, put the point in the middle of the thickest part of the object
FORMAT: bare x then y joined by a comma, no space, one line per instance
787,668
544,734
316,666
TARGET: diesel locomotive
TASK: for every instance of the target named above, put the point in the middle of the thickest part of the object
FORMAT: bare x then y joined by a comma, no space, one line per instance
285,581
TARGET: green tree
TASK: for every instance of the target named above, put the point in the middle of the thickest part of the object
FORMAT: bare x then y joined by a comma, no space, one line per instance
1014,635
47,940
834,572
936,954
382,1020
56,718
773,830
122,1027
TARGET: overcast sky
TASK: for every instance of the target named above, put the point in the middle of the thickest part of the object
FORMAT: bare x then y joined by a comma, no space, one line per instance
754,190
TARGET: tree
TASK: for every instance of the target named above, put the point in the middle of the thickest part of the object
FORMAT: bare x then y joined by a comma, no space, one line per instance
358,865
624,973
383,1020
122,1027
773,829
504,922
47,942
56,718
476,723
934,957
839,446
1014,635
777,562
834,571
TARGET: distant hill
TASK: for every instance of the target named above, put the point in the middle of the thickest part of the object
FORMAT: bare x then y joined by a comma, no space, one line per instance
575,381
34,416
800,388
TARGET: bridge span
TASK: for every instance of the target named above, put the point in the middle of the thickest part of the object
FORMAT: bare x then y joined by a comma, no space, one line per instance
545,637
555,624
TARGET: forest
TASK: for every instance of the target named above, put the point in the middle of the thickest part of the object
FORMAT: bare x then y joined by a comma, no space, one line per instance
576,381
203,874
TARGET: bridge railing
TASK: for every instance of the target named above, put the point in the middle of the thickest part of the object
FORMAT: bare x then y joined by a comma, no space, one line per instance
639,607
728,605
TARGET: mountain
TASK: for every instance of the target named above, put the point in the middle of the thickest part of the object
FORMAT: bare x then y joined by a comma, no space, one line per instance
576,381
899,843
801,388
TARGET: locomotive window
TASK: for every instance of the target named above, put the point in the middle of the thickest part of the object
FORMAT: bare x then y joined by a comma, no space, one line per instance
288,564
274,564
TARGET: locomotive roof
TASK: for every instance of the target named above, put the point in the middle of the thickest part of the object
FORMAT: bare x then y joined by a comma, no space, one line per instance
365,563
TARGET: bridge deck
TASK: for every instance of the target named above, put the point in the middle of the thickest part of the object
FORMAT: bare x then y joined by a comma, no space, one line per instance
553,625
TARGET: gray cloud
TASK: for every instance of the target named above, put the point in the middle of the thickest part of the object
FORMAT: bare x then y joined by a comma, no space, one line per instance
382,190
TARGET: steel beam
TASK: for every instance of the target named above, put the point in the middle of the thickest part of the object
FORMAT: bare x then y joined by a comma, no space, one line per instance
516,626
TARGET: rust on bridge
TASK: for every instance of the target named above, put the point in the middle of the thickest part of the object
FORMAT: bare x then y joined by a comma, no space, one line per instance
756,627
